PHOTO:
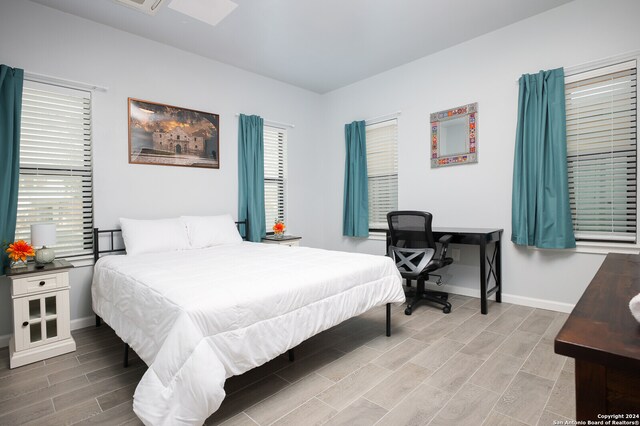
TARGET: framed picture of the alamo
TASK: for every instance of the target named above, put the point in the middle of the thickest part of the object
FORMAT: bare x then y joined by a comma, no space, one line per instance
172,136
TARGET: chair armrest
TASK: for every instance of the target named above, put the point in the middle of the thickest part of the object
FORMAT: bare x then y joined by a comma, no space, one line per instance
445,239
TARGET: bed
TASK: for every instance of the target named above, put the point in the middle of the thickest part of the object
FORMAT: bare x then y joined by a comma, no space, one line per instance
200,315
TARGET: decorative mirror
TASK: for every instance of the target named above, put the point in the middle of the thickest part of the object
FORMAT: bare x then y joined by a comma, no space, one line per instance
454,136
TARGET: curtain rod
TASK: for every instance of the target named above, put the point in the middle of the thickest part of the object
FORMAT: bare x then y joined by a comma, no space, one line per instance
382,118
276,123
42,78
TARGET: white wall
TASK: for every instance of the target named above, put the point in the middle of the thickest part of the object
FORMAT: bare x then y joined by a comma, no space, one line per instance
483,70
43,40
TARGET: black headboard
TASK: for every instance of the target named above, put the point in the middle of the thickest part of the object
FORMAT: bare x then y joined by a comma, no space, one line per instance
97,251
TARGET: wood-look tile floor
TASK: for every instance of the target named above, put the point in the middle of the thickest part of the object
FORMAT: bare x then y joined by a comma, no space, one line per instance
458,369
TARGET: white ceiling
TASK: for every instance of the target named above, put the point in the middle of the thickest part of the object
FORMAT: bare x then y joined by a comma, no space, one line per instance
318,45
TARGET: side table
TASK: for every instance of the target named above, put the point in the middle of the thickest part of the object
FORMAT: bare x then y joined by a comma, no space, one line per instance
41,317
285,240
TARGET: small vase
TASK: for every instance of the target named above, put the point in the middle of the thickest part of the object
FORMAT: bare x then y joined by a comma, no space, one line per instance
278,235
16,264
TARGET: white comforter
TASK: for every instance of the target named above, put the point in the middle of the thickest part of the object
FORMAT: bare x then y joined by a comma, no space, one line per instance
196,317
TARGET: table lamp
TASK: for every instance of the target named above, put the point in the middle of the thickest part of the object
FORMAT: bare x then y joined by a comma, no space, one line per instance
43,235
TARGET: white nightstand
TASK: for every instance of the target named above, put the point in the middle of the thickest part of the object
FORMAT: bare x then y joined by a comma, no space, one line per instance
286,240
41,323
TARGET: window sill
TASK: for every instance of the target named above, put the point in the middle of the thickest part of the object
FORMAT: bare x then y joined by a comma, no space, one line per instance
377,236
80,262
597,248
606,248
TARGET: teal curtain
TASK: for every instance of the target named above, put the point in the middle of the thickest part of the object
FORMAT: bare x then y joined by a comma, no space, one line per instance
540,213
355,215
251,175
11,80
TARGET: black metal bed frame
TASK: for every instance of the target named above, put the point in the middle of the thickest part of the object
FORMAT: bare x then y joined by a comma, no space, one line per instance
97,253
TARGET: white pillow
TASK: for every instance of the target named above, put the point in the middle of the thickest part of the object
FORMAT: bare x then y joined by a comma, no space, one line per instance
207,231
154,236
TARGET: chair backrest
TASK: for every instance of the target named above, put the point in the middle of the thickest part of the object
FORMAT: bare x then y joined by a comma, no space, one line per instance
412,244
411,229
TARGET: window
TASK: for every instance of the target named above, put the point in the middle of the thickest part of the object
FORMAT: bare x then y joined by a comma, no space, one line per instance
55,166
275,175
601,107
382,170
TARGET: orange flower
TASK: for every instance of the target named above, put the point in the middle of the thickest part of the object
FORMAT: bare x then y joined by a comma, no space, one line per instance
20,250
278,227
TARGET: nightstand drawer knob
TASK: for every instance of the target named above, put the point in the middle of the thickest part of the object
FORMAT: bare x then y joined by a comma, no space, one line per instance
26,323
41,283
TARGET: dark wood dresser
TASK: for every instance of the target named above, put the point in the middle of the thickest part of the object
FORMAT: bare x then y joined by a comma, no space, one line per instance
604,338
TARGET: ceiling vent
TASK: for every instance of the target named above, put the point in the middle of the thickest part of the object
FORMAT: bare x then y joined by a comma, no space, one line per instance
150,7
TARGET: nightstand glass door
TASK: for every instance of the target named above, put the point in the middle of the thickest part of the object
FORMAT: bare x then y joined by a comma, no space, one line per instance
40,325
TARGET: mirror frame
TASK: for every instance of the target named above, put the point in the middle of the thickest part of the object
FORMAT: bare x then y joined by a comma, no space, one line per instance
470,112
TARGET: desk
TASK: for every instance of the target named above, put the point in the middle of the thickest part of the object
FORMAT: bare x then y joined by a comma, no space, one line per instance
604,338
480,237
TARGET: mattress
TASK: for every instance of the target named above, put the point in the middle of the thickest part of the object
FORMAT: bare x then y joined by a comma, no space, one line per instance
196,317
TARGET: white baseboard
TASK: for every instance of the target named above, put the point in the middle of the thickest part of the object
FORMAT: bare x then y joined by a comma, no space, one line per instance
538,303
85,322
551,305
75,325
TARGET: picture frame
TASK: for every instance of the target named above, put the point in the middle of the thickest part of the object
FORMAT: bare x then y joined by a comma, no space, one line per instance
168,135
454,136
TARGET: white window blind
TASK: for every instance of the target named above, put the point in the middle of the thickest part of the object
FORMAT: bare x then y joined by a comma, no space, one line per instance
382,171
55,166
275,175
601,107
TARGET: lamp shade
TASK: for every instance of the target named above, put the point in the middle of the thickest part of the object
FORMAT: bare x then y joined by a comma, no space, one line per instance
43,234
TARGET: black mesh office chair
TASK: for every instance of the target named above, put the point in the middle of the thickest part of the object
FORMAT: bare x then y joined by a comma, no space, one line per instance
416,255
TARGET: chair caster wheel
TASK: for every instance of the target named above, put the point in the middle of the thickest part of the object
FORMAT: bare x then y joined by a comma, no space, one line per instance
407,311
446,309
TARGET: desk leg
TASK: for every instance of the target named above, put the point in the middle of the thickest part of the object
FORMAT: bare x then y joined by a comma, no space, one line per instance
483,277
499,270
